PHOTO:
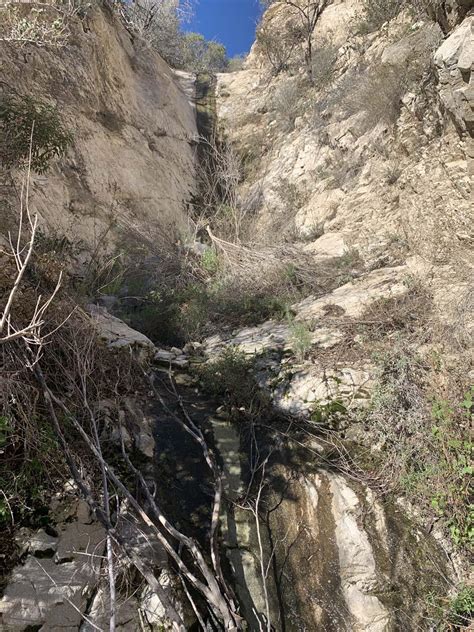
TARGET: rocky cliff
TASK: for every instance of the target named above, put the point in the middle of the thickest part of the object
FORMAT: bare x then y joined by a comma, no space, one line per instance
130,166
378,151
306,468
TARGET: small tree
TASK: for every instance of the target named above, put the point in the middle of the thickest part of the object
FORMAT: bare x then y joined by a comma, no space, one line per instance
159,23
236,63
31,132
307,13
200,54
276,46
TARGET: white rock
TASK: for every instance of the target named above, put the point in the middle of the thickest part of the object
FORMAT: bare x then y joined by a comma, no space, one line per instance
355,296
356,561
118,334
42,543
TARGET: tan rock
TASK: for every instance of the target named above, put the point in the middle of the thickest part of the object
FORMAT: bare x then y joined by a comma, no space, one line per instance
131,164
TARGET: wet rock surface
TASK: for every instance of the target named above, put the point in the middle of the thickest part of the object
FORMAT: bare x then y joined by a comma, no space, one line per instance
50,589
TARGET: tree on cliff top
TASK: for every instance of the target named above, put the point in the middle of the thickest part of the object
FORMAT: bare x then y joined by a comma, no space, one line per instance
307,14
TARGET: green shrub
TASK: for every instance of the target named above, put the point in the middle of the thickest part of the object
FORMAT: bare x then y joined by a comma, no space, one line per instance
229,378
25,477
201,55
301,339
426,449
26,121
210,261
461,611
376,12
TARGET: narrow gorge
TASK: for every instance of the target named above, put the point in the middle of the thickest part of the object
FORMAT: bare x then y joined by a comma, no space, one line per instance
236,331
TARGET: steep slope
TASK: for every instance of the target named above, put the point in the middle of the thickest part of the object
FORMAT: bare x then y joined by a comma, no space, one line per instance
327,423
131,163
377,156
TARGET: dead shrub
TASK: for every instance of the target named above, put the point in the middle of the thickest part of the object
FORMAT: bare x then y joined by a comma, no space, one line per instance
324,64
287,102
406,313
276,46
40,23
392,174
376,97
376,12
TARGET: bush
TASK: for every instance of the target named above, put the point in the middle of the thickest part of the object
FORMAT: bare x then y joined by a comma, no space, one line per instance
376,12
424,439
301,339
324,63
229,378
407,313
236,63
277,46
160,25
461,610
29,24
201,55
25,120
376,96
287,102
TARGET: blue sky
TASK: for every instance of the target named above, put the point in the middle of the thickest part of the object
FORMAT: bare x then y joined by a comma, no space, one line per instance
231,22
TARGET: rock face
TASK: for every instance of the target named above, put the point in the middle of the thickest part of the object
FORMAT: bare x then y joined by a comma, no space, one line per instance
353,168
51,588
130,169
365,566
117,334
455,61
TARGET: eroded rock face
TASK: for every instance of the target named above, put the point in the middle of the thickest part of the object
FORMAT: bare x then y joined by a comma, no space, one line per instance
341,561
130,168
454,62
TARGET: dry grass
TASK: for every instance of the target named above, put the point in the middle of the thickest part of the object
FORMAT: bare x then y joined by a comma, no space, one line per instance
26,434
407,314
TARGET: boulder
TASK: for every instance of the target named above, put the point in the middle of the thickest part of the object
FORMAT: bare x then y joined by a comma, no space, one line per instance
117,334
454,61
351,299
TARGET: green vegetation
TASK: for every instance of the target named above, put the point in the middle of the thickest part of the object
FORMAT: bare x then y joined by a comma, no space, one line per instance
426,448
201,55
461,609
26,478
301,339
160,24
453,501
229,379
26,121
455,614
175,315
329,414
